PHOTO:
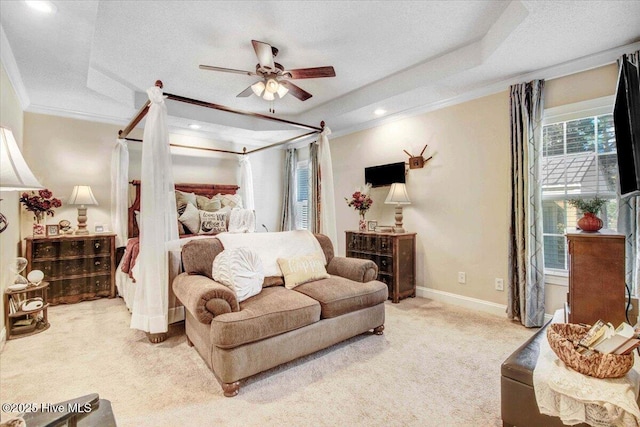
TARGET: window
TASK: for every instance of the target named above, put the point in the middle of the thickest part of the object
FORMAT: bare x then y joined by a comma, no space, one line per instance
578,161
302,195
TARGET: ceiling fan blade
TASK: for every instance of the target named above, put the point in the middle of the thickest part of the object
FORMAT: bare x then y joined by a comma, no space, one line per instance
264,54
296,91
227,70
311,73
247,92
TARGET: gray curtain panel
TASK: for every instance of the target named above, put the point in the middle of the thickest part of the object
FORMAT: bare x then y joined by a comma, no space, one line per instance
628,221
289,191
526,261
314,189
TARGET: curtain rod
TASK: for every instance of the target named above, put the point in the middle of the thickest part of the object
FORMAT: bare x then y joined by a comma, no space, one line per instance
244,149
145,108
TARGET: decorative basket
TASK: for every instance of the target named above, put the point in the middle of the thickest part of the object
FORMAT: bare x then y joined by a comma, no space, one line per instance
563,339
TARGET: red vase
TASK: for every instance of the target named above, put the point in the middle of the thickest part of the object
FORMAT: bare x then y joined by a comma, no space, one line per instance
590,222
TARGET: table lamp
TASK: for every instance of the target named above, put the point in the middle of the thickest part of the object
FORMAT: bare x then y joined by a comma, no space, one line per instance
15,174
398,196
82,195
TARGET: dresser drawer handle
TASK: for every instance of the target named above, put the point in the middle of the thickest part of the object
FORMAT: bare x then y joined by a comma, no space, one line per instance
97,263
97,245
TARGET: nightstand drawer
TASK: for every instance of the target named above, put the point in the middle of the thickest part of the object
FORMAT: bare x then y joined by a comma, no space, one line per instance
69,291
69,248
73,267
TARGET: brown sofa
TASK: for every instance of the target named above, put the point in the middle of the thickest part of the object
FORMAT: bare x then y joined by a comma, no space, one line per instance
278,325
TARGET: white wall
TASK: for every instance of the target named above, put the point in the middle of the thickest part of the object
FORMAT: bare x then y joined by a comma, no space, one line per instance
460,199
65,152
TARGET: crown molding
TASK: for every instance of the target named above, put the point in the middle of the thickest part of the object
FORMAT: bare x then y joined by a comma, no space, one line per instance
11,67
584,63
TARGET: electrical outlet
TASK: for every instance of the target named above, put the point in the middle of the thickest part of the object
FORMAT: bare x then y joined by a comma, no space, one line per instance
499,284
462,277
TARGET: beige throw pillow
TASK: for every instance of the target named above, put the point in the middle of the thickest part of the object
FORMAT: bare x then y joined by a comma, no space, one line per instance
206,204
212,222
302,269
183,199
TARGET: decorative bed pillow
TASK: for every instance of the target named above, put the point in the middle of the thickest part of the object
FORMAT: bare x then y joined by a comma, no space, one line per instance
241,270
230,200
206,204
183,199
212,222
190,218
302,269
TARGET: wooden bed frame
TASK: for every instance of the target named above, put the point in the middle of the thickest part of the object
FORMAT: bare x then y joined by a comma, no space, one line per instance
208,190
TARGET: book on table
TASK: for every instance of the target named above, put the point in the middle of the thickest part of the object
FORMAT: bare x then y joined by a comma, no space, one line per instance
607,340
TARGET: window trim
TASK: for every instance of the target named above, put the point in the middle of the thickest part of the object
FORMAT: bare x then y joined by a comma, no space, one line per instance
564,113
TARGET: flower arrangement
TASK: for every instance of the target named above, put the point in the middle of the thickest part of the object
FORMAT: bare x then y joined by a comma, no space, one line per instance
360,200
40,203
588,205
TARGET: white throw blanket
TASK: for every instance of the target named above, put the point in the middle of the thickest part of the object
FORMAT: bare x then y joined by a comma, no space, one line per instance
271,246
242,221
578,398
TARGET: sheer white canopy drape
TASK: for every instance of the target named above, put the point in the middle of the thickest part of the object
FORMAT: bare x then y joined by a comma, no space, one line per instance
246,183
158,221
327,200
120,191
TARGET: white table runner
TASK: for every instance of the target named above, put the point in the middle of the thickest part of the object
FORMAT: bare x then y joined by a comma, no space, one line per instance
578,398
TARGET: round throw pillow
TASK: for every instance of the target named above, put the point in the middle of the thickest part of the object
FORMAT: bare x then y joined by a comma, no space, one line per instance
241,270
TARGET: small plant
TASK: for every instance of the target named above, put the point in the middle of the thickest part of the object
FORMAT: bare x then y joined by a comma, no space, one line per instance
588,205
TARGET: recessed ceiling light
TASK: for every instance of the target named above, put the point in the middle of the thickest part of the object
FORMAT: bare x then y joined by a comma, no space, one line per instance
42,5
194,126
379,112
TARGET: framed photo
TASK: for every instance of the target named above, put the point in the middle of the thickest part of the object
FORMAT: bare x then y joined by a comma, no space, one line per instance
99,228
53,230
371,225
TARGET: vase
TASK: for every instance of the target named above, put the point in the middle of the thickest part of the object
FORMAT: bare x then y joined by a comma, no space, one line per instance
39,229
589,222
362,226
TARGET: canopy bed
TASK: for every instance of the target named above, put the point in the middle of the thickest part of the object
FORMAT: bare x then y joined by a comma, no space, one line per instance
150,299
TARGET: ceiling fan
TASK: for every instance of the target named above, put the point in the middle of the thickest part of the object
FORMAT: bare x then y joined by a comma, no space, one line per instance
274,78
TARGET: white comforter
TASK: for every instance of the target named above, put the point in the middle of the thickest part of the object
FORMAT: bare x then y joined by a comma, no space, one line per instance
271,246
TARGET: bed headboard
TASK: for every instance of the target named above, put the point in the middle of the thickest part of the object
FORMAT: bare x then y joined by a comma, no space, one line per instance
208,190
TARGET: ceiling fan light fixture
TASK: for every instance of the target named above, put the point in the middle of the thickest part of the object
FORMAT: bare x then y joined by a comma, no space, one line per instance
268,96
272,86
258,88
282,91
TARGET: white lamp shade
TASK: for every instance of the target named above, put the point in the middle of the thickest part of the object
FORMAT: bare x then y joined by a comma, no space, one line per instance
15,175
272,86
82,195
397,195
268,96
258,88
282,91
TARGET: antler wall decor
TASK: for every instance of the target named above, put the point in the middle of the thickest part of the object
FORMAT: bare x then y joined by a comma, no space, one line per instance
417,162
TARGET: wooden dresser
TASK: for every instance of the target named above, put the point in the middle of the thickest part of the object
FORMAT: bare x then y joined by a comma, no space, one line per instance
596,277
395,256
77,268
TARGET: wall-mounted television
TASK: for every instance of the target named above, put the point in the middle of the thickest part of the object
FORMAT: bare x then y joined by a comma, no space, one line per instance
626,119
379,176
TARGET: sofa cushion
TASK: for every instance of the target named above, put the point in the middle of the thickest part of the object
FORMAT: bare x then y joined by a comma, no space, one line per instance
338,295
302,269
273,311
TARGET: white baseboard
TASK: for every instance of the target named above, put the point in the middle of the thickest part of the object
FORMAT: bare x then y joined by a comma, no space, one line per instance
3,338
467,302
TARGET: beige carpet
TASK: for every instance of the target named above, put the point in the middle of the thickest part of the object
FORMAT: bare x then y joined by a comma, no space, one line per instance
435,365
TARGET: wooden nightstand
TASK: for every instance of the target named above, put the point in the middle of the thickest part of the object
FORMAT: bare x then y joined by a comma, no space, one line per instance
395,256
77,268
38,319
